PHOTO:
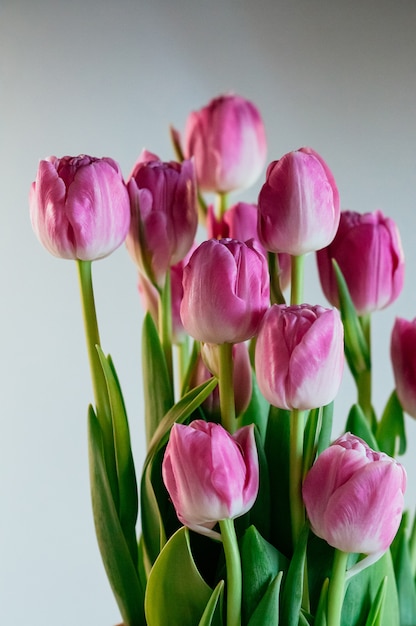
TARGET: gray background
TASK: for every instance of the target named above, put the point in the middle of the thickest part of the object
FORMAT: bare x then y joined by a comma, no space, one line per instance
107,78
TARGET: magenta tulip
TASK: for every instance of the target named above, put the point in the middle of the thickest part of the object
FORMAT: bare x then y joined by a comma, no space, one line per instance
240,222
298,204
226,291
300,356
209,474
79,207
368,250
354,496
163,214
403,358
227,140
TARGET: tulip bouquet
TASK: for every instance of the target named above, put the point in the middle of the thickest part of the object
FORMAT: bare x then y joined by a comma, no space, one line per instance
250,513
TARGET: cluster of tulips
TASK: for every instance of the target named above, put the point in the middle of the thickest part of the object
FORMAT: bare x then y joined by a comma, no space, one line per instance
249,514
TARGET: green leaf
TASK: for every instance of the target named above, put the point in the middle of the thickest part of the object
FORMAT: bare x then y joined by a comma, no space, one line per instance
212,616
126,475
257,411
404,575
115,553
320,617
376,612
176,594
357,351
293,587
326,428
259,515
261,563
357,424
158,392
267,611
391,433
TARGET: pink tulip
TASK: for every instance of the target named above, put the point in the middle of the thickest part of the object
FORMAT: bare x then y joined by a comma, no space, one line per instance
298,204
403,358
240,222
79,207
354,496
209,474
368,250
227,140
163,214
300,356
226,291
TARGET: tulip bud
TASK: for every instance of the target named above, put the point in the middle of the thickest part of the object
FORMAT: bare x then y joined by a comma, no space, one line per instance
300,356
227,140
354,496
403,358
240,222
163,214
79,207
298,204
209,474
226,291
368,250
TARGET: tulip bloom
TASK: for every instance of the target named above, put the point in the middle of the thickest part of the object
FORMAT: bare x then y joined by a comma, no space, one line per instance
300,356
403,358
79,207
240,222
163,214
227,140
354,496
368,250
209,474
298,204
226,291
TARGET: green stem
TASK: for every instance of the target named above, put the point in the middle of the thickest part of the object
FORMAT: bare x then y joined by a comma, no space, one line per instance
336,588
222,204
165,324
276,296
226,386
297,510
297,276
234,576
364,377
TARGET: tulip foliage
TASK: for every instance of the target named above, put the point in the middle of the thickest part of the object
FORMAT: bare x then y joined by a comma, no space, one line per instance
245,513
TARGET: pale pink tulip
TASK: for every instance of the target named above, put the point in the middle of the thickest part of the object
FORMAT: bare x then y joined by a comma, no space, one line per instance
226,291
403,358
227,140
300,356
210,475
298,204
368,250
354,496
79,207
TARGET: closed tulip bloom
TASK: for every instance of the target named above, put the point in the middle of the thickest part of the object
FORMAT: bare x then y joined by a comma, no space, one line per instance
227,140
79,207
210,475
368,250
240,222
298,204
403,358
300,356
163,214
354,496
226,291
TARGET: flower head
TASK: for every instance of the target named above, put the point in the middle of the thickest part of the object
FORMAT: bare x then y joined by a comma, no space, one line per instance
403,358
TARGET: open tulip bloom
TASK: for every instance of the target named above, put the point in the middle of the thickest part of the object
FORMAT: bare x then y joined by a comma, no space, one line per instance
245,513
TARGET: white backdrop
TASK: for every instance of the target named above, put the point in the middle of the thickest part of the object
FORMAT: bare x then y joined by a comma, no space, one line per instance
107,78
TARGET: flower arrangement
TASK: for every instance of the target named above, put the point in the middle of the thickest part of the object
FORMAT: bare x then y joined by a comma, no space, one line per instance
249,514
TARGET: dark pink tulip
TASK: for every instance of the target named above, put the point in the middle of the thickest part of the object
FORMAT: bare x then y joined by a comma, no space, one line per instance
368,250
227,140
210,475
163,214
79,207
240,222
354,496
298,204
300,356
226,291
403,358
